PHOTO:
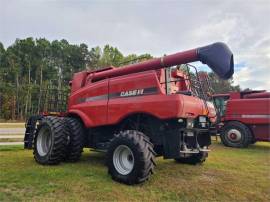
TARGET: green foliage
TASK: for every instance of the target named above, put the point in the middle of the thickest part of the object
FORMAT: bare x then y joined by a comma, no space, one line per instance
222,86
210,78
29,66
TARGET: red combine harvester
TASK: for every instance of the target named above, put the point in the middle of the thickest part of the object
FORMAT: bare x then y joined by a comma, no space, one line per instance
134,113
244,117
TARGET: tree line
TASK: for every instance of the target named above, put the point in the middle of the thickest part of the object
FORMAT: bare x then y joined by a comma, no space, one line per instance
29,66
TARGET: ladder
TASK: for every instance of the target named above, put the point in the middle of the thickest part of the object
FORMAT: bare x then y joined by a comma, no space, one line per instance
30,129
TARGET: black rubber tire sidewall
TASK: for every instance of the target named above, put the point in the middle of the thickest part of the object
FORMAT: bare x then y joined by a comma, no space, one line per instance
132,175
55,154
139,172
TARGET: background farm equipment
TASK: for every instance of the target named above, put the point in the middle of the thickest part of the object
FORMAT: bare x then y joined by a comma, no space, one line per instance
244,117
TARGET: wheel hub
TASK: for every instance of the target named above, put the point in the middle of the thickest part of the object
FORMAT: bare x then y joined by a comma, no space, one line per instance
123,159
234,135
44,141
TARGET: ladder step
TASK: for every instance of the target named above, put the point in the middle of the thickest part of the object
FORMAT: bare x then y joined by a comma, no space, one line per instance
190,152
204,150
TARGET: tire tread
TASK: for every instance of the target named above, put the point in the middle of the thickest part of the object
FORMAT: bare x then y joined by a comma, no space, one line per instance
56,154
145,152
74,129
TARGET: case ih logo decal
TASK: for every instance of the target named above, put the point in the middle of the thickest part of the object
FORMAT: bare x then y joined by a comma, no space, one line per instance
131,93
123,94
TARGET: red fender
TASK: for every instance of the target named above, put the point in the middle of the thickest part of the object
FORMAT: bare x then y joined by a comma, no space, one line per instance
87,122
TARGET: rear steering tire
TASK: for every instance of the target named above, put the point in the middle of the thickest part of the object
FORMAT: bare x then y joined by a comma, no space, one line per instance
236,134
193,159
130,157
49,142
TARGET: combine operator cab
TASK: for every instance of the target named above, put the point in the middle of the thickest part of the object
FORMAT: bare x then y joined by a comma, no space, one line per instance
220,102
186,81
158,107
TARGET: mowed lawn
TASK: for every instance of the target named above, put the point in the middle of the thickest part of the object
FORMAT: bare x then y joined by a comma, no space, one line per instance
228,175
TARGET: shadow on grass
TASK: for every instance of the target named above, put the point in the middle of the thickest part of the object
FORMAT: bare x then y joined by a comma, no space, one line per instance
94,158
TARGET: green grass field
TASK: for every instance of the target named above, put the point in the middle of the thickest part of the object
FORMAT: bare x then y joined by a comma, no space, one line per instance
228,175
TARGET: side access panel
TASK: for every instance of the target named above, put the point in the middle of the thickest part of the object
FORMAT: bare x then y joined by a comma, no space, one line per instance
139,93
91,102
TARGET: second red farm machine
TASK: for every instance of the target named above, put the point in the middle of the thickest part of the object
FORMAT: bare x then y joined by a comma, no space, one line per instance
244,117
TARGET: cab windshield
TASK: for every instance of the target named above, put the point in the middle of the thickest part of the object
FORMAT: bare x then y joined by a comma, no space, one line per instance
220,103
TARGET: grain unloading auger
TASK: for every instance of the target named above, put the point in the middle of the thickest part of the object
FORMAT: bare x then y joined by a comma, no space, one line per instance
133,113
217,56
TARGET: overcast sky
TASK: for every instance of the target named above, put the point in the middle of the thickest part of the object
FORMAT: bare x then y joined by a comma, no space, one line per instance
155,27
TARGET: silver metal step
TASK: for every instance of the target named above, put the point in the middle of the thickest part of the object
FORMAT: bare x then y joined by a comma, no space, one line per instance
194,151
204,150
189,151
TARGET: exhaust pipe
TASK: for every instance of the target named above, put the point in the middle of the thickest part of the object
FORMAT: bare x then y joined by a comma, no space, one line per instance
217,56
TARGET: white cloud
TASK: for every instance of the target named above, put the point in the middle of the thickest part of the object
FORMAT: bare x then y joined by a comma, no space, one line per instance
249,48
156,27
256,72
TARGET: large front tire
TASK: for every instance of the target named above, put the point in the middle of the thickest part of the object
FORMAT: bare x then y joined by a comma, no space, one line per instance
130,157
236,134
49,142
